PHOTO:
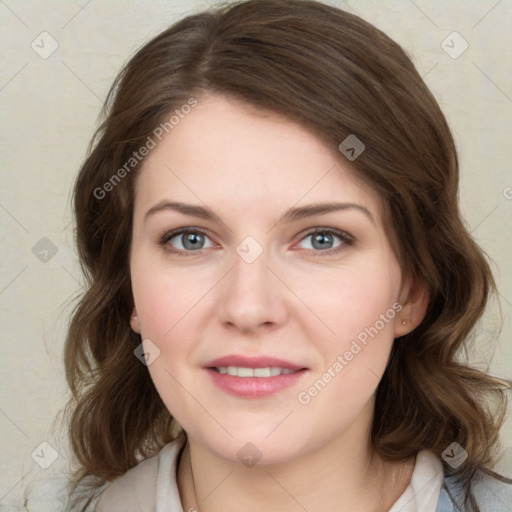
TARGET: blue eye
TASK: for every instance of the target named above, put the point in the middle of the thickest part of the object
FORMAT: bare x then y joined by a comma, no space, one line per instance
323,238
192,241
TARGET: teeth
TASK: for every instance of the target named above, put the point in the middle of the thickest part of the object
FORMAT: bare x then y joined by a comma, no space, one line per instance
263,372
244,372
238,371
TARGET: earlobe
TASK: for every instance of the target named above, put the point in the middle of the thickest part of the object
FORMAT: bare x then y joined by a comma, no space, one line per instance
413,310
134,321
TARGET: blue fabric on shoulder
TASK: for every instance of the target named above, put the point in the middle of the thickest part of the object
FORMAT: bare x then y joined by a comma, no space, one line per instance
492,495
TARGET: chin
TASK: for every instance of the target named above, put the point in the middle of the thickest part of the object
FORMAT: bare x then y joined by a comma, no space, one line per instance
254,445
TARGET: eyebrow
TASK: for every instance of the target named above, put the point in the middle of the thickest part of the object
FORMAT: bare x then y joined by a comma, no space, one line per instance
290,215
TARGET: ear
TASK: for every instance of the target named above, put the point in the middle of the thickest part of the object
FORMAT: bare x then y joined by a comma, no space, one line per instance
414,300
134,321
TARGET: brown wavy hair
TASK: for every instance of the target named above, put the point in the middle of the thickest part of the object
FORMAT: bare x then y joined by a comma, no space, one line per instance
337,75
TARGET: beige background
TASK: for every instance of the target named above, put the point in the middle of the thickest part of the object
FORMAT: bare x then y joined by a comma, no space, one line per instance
49,109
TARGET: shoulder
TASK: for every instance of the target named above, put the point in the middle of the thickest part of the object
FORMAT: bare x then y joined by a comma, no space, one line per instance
491,495
136,489
140,481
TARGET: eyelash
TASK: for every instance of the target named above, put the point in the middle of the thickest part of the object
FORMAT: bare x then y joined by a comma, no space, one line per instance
346,239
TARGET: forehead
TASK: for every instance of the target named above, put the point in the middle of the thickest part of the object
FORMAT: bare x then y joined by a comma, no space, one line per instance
227,153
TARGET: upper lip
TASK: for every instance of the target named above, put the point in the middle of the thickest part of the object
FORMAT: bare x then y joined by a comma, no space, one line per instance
251,362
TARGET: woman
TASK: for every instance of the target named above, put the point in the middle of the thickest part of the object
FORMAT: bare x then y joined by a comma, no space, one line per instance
222,340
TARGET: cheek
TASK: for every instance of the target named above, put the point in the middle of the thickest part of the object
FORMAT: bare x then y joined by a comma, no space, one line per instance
169,307
360,307
163,300
351,300
165,307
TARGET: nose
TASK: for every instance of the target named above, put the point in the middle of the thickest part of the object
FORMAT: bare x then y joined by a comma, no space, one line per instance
252,296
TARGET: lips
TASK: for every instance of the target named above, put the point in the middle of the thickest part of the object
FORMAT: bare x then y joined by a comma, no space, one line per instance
253,377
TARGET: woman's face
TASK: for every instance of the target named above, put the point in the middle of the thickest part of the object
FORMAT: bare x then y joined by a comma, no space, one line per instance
251,281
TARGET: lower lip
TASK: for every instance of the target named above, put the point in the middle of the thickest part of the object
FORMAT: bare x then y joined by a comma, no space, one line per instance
254,387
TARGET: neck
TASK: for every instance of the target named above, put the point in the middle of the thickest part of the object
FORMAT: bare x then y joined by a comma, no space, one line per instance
343,475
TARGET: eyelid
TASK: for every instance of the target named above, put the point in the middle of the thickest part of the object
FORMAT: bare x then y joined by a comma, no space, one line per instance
166,237
344,235
346,240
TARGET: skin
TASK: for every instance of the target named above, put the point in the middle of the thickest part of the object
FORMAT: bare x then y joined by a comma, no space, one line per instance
295,301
